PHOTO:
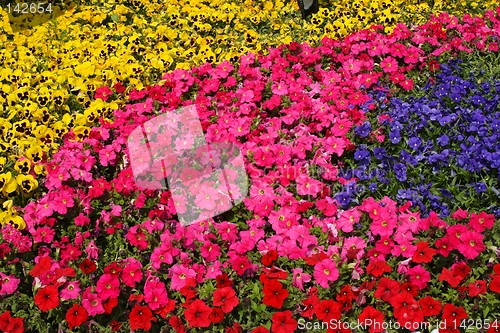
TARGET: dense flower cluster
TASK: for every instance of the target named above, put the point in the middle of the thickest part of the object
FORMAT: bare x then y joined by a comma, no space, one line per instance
95,251
442,149
50,72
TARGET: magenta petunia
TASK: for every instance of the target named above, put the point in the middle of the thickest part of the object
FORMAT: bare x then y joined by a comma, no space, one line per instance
325,272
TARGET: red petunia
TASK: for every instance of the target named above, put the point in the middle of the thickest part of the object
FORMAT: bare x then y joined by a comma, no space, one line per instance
476,288
269,257
47,298
41,267
223,280
272,273
5,320
260,329
103,93
198,314
310,303
177,324
461,269
283,322
217,315
165,310
345,297
387,289
274,294
430,306
236,328
410,288
119,87
110,304
226,298
316,258
453,315
189,289
423,253
87,266
140,318
16,325
378,267
450,277
115,325
495,284
345,294
11,324
76,316
373,318
328,310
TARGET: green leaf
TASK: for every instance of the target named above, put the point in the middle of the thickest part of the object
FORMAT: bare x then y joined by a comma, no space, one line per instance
486,310
63,35
115,17
256,307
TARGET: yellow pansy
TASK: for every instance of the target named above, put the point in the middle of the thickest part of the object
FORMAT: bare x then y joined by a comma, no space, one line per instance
15,220
7,183
85,69
81,132
34,153
26,182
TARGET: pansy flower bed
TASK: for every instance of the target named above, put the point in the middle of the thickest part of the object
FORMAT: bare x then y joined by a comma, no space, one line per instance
442,149
373,198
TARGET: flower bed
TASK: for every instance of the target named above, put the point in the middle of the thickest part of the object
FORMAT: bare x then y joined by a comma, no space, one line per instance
130,45
441,151
97,253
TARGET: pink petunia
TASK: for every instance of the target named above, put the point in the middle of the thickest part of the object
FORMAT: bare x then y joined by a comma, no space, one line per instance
92,250
163,254
325,272
299,278
279,88
352,65
471,244
384,245
213,270
45,208
178,275
353,247
8,284
155,293
389,65
410,221
132,272
63,201
43,234
482,221
81,220
405,249
207,199
347,220
383,224
419,276
108,286
247,96
103,93
137,237
92,302
308,186
71,290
